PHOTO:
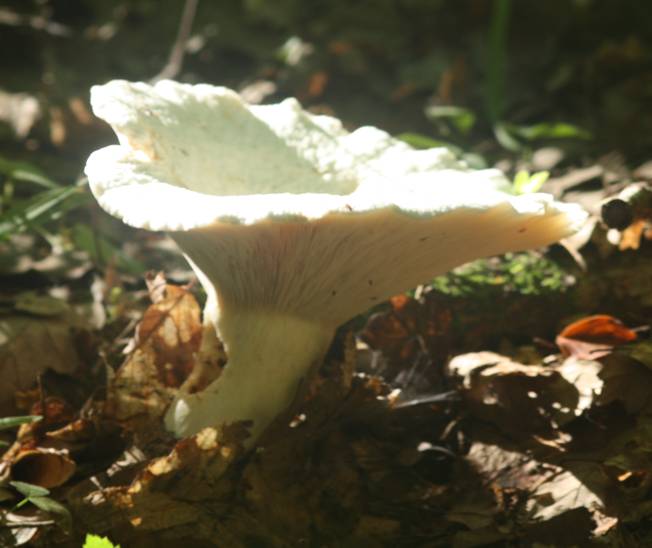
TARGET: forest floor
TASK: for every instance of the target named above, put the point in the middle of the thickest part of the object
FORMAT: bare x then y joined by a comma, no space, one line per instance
508,403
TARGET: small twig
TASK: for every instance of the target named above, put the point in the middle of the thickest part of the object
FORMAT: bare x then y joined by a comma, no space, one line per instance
29,524
175,61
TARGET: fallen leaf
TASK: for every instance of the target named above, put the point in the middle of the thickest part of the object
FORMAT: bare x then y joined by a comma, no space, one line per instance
523,400
631,237
29,345
43,467
552,493
163,355
408,332
574,527
601,329
626,380
584,375
171,328
592,337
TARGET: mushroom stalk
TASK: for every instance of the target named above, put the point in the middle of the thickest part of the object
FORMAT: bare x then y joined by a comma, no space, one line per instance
269,355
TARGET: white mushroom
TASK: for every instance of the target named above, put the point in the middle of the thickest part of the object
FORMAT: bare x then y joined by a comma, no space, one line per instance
294,225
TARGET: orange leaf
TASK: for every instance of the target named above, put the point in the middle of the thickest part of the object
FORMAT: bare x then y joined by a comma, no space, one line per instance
593,337
601,329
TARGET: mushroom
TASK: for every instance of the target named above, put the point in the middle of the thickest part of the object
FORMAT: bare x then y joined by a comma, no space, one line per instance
293,225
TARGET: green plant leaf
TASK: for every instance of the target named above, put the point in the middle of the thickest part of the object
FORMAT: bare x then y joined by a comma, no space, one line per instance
524,183
520,180
12,422
95,541
49,505
102,251
21,171
52,506
29,490
35,210
462,118
546,130
504,135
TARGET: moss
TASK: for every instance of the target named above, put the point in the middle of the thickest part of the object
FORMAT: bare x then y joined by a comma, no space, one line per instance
521,273
517,297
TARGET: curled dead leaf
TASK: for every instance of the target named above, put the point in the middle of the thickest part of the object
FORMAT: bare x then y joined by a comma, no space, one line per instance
164,354
600,328
44,467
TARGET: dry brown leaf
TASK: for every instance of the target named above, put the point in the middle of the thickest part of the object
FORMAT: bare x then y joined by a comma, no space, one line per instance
408,330
164,353
548,490
171,331
44,467
584,375
376,526
574,527
172,493
631,237
394,332
194,464
600,328
46,452
29,345
628,381
520,399
593,337
304,479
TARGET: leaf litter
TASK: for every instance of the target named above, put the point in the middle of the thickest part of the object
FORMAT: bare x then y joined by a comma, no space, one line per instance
524,451
541,445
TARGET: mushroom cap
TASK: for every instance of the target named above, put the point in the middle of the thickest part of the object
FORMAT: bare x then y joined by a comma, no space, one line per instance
280,208
199,154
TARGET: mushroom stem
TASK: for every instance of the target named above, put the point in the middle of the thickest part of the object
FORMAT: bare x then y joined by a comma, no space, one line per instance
269,354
